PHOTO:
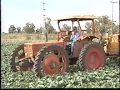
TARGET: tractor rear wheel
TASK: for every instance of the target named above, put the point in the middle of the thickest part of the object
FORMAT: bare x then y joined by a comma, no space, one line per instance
51,60
92,56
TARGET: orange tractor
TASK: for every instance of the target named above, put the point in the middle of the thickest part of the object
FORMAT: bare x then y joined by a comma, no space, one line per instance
51,58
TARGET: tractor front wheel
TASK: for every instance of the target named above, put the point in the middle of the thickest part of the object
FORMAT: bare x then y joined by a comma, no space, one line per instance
51,60
18,61
92,56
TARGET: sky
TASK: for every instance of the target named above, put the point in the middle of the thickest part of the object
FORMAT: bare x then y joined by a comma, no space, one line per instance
19,12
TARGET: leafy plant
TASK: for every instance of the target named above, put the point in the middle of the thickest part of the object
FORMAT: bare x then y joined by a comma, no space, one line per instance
107,77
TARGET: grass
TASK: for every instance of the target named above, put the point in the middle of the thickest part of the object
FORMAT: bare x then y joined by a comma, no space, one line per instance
27,37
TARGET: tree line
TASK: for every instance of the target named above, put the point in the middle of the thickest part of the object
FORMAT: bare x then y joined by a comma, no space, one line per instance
30,28
103,25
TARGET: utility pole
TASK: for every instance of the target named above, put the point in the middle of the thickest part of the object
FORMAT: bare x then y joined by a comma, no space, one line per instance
112,15
44,20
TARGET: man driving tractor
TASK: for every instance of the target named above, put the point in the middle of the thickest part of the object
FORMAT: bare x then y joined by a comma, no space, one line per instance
73,38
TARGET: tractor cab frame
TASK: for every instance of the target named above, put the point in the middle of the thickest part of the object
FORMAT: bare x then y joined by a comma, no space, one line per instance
62,34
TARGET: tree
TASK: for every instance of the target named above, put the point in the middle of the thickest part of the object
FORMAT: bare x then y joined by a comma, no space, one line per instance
115,29
29,28
12,29
88,27
39,30
66,27
103,25
18,29
48,26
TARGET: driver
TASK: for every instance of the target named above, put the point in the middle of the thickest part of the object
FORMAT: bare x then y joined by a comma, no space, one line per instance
74,37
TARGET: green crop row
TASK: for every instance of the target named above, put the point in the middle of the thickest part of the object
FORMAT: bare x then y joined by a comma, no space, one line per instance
107,77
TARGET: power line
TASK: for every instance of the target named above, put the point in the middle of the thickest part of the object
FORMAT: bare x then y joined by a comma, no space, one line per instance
44,20
112,13
43,13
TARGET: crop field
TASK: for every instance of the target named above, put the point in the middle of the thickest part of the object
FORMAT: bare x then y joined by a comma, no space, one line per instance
107,77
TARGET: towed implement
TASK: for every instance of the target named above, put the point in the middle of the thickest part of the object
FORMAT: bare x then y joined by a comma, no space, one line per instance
51,58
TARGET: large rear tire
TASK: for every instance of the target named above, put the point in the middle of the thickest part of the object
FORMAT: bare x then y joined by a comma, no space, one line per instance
51,60
92,56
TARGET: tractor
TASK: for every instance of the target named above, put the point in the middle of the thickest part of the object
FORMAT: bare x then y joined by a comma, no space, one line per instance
51,58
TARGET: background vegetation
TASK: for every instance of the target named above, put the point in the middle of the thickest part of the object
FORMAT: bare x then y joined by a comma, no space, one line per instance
28,32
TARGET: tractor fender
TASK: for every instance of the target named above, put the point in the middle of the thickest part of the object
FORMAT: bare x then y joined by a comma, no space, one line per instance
88,37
